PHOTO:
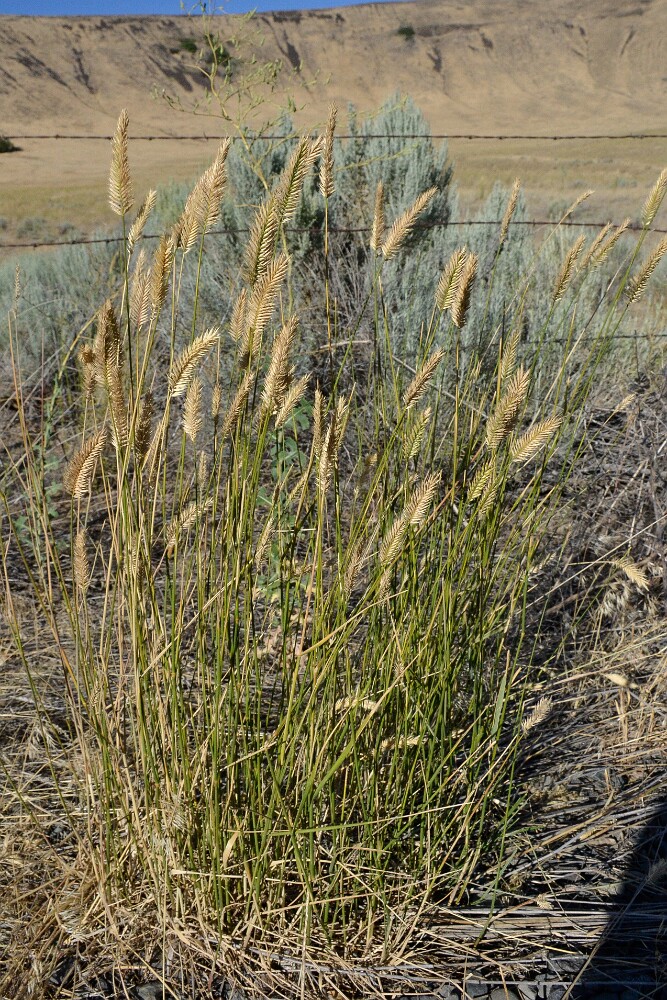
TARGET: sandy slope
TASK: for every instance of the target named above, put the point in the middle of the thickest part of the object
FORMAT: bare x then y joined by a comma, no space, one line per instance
483,65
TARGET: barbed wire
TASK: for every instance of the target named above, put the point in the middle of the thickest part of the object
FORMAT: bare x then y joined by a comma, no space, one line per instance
345,136
237,230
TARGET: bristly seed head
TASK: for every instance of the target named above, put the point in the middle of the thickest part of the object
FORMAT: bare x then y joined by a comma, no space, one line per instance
120,186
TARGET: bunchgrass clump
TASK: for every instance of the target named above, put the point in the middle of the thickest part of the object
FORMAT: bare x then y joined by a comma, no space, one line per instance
292,626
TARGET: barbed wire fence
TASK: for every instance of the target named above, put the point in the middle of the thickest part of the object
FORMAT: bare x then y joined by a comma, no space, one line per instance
348,136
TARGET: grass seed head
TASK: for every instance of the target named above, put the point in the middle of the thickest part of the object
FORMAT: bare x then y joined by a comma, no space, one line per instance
422,379
461,300
378,230
79,473
450,279
529,444
120,185
327,164
405,224
567,269
654,200
637,284
509,211
186,364
192,409
137,227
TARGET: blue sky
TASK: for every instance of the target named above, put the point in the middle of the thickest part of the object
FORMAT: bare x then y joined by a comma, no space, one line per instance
61,8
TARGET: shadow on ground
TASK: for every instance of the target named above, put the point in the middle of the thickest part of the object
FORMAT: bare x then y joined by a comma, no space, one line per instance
631,958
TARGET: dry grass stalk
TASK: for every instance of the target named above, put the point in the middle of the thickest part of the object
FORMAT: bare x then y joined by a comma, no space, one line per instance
637,285
79,473
487,500
392,543
538,715
162,264
327,165
290,185
110,370
405,223
215,185
484,475
261,242
415,434
237,323
278,376
654,200
238,404
576,203
509,352
595,246
502,419
88,369
328,452
120,185
461,301
190,225
527,445
137,227
80,563
292,398
318,421
421,500
450,279
610,243
142,434
378,230
567,269
191,513
216,401
634,573
192,409
185,365
509,211
422,379
263,299
140,292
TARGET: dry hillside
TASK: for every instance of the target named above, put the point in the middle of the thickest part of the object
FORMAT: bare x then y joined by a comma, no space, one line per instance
497,66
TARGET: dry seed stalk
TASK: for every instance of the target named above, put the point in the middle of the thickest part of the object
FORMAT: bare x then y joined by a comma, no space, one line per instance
237,322
507,410
183,521
140,292
527,445
192,409
189,227
162,263
637,285
538,715
263,299
576,203
292,399
137,227
450,279
278,376
595,246
484,476
215,185
607,247
461,301
120,185
288,190
80,563
88,369
509,211
421,500
79,473
142,434
420,382
216,401
109,370
654,200
404,225
378,230
185,365
567,269
415,433
261,242
318,420
327,165
237,405
509,351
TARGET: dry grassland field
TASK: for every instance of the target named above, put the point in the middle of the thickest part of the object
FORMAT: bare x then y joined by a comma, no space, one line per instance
333,565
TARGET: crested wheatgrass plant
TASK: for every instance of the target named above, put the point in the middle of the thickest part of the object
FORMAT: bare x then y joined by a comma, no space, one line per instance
261,592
